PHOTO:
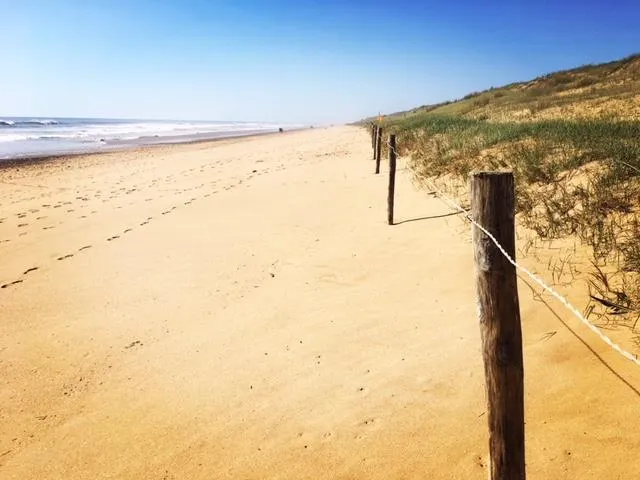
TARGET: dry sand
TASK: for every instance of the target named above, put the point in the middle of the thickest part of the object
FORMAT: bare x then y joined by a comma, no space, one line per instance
240,309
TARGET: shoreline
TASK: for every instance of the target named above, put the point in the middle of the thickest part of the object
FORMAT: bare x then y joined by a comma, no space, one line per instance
39,159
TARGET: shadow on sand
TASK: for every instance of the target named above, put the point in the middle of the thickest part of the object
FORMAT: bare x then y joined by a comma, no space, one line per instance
575,334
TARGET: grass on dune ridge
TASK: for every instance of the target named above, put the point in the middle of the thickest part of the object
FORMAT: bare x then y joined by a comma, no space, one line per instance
572,140
608,90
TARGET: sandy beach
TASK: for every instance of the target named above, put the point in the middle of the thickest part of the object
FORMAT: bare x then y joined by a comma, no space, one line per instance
241,309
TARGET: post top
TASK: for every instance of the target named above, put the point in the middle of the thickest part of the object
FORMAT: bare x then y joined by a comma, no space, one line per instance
491,174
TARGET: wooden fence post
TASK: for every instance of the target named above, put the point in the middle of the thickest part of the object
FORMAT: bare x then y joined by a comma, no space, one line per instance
392,178
378,149
373,139
492,206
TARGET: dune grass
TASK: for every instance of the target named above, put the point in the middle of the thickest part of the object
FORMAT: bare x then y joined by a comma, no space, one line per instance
576,174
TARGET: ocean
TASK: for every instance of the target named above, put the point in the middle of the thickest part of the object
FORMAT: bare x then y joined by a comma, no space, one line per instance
35,136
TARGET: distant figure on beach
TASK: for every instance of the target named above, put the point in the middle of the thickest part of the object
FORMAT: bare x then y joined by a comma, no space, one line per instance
280,130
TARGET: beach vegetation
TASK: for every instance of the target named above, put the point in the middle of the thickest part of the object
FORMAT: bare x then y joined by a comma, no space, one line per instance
572,139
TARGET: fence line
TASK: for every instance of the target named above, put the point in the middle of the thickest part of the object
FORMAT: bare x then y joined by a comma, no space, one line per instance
545,288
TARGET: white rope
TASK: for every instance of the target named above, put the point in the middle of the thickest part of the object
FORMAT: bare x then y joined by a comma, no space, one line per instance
534,277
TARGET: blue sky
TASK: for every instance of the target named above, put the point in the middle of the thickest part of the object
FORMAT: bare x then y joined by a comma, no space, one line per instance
288,61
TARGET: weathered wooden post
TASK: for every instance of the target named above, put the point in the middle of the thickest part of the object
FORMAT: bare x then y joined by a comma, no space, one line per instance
392,178
378,148
493,207
374,140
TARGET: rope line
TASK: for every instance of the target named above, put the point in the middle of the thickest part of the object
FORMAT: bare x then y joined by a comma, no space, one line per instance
545,288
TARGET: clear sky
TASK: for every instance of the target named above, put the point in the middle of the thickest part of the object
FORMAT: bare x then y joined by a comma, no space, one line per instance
295,61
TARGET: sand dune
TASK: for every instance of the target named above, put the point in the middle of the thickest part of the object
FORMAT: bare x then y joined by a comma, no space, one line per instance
240,309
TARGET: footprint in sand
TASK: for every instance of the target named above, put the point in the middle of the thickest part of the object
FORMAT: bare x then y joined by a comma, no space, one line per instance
84,248
479,461
29,270
363,390
127,230
369,422
65,256
326,437
20,225
113,238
